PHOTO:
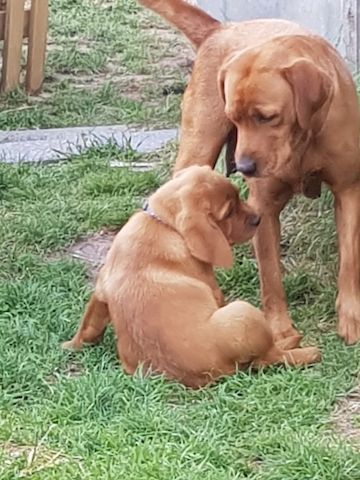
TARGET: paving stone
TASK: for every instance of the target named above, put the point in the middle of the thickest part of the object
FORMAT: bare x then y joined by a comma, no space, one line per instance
52,145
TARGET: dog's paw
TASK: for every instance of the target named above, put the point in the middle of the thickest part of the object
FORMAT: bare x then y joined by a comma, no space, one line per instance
71,345
349,329
348,326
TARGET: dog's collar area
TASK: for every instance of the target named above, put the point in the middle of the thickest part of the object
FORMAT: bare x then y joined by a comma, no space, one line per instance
150,212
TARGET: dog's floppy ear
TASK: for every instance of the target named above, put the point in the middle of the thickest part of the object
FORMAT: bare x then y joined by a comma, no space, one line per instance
223,72
221,82
202,235
311,87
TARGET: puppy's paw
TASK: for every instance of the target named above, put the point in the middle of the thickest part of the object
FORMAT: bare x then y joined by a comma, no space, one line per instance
288,343
71,345
288,338
312,354
302,356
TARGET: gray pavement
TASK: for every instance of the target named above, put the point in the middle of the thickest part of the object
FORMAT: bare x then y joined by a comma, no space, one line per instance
52,145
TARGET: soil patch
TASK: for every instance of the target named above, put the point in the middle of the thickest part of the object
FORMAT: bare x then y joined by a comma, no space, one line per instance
346,416
92,250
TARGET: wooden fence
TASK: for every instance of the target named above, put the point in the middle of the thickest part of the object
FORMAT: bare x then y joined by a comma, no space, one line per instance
20,19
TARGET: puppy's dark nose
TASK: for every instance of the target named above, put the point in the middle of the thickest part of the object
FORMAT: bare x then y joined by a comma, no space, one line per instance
247,166
254,220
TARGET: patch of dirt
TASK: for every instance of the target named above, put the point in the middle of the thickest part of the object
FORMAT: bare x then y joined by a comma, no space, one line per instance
178,52
37,457
81,45
130,86
346,417
73,370
92,250
165,71
133,86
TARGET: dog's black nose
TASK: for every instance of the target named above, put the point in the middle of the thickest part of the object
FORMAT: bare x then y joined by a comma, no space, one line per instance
246,165
254,220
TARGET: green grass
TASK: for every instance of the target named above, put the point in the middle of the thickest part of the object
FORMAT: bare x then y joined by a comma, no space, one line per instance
105,65
109,62
102,424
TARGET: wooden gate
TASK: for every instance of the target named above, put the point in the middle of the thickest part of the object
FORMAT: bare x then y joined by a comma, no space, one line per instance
20,19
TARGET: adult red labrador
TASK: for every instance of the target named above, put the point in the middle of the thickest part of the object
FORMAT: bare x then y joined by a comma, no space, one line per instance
295,108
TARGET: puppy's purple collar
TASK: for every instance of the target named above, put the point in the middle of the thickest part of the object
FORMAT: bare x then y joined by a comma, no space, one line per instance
150,212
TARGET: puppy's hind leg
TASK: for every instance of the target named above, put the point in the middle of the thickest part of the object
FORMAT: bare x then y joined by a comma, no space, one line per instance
243,337
241,334
294,357
93,325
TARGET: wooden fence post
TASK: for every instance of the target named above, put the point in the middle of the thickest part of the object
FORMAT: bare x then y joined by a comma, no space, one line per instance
14,27
16,23
37,45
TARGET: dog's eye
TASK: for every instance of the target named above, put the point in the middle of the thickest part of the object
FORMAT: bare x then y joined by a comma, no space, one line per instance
261,119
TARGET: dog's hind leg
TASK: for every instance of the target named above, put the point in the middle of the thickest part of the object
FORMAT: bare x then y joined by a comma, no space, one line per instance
93,325
347,212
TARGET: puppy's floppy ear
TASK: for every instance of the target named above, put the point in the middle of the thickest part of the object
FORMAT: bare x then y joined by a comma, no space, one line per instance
202,235
191,169
311,87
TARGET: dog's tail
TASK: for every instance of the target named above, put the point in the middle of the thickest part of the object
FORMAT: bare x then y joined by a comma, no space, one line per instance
193,22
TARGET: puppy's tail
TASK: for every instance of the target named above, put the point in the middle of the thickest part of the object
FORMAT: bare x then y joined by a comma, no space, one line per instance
193,22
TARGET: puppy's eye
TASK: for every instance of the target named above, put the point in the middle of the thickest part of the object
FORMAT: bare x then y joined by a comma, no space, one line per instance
261,119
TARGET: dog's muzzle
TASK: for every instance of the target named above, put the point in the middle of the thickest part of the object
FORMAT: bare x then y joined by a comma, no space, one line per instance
246,166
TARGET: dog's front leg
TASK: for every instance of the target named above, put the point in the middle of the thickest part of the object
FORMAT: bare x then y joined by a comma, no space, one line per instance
269,197
347,212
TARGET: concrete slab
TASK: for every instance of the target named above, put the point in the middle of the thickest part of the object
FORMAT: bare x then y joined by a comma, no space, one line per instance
336,20
52,145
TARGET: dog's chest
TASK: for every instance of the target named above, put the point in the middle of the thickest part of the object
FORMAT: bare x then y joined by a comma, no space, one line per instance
310,185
